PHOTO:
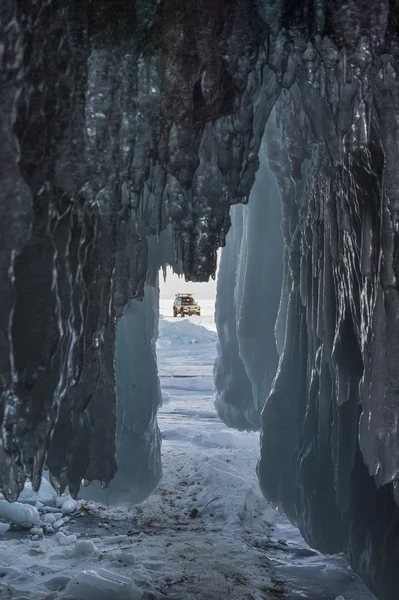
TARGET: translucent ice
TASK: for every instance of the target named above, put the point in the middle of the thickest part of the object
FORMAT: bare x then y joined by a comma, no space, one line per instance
247,302
19,514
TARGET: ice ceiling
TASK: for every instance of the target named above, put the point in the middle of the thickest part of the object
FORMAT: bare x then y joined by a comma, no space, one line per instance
128,129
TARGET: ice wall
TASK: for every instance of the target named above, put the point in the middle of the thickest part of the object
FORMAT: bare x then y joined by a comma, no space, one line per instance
248,296
329,426
116,120
233,397
138,439
328,456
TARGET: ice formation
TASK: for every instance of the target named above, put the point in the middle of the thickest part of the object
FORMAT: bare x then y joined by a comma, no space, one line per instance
124,121
138,440
330,416
248,297
115,121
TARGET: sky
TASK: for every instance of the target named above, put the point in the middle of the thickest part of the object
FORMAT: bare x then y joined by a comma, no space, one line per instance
175,284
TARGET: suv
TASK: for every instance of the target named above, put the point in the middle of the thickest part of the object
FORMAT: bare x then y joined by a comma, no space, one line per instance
185,304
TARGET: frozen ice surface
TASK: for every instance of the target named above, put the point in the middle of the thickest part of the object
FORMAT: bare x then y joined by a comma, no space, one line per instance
102,584
65,540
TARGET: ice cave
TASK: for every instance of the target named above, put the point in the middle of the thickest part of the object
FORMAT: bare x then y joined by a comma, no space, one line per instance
248,148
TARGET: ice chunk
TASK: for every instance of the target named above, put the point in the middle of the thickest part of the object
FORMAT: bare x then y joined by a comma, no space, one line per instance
36,531
61,500
50,509
65,540
57,584
115,539
18,513
58,524
49,518
69,507
84,548
3,528
57,515
102,584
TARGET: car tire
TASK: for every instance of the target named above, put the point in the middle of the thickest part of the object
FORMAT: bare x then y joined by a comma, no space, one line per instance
174,313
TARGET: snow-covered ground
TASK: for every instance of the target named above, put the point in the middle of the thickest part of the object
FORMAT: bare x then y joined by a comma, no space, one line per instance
206,533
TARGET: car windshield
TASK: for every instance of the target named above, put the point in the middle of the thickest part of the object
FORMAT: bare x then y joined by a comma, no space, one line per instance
188,301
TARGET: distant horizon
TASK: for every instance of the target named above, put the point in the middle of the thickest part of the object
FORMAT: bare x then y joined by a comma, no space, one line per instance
175,284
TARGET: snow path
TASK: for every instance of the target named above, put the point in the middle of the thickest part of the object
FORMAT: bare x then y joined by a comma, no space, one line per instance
207,533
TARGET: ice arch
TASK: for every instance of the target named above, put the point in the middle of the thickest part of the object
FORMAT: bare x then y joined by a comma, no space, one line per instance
120,118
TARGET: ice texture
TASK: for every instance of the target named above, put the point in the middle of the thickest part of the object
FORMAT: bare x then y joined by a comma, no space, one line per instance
18,513
116,122
124,123
248,296
103,584
46,495
329,445
4,527
138,439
